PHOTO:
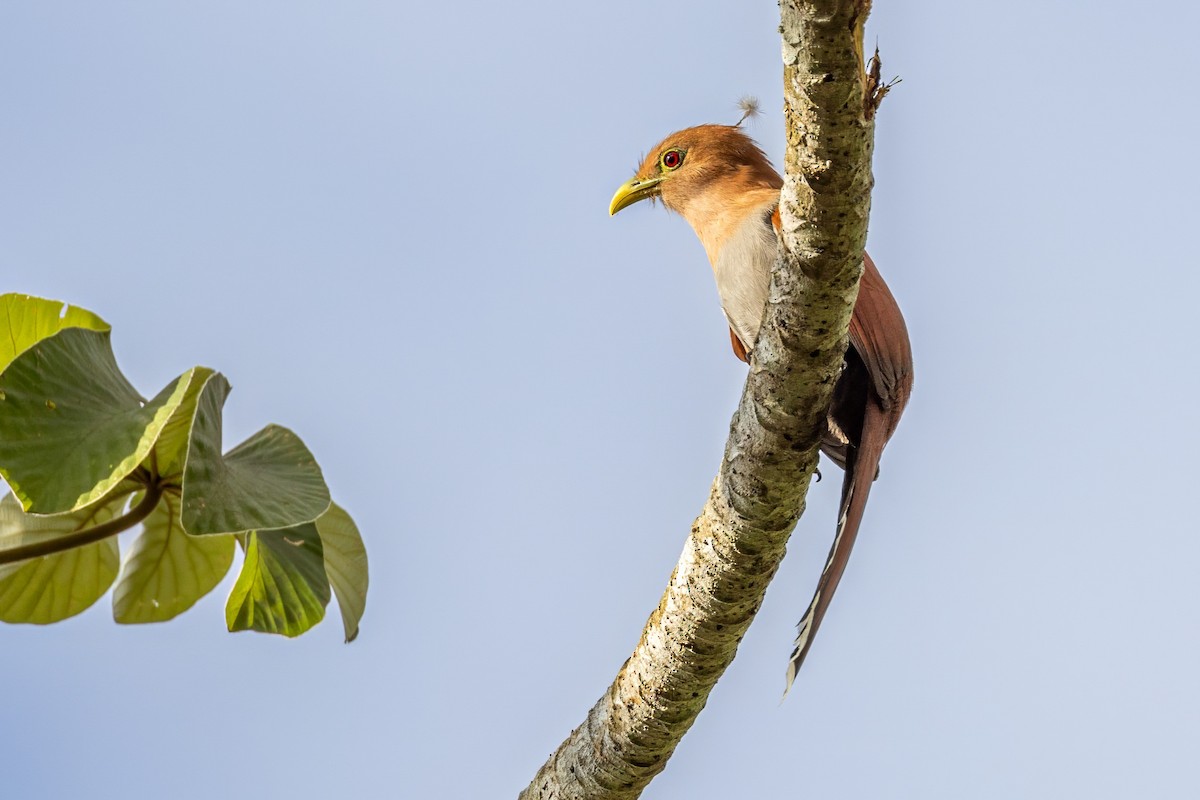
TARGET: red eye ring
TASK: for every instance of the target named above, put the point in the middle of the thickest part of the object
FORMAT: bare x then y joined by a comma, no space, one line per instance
672,159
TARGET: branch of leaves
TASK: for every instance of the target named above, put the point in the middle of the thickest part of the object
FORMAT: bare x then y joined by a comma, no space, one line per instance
87,457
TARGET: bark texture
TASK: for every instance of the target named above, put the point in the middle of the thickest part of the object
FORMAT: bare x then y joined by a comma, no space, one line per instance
739,539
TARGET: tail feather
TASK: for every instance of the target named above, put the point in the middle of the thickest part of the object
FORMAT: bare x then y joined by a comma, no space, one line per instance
862,463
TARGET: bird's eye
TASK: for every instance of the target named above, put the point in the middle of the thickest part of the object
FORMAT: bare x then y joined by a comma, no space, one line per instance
672,159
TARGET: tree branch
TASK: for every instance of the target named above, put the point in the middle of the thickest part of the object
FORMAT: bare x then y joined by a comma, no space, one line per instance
739,539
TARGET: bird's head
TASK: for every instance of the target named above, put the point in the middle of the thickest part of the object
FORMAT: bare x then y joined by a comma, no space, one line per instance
697,166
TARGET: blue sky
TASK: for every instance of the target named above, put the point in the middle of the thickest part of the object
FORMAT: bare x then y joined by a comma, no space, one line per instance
387,225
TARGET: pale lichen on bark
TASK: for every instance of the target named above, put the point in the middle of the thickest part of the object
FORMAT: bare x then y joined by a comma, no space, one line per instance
738,540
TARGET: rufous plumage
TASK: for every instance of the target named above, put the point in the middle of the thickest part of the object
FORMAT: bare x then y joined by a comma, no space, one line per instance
719,180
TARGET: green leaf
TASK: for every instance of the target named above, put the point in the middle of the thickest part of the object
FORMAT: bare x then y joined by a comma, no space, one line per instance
171,448
269,481
345,564
52,588
282,587
166,571
71,426
26,320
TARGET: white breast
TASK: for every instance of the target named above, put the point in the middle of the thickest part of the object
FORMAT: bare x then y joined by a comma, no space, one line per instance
743,273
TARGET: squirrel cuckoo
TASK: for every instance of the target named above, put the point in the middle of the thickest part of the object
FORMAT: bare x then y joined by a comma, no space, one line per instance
718,179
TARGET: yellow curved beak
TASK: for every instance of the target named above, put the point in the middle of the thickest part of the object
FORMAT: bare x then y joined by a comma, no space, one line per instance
633,191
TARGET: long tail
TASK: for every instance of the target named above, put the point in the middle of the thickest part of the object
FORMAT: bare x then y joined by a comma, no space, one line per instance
861,467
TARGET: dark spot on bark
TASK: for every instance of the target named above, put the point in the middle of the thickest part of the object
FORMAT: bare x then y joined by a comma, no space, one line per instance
829,77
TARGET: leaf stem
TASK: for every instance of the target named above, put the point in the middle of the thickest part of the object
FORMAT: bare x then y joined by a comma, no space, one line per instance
154,491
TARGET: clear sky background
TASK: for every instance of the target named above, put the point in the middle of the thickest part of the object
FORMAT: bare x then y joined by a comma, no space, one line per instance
387,224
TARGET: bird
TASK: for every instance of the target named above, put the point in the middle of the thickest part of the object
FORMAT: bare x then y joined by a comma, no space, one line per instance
719,180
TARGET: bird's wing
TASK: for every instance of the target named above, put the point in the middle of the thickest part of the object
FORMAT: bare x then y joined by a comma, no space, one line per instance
879,335
739,349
